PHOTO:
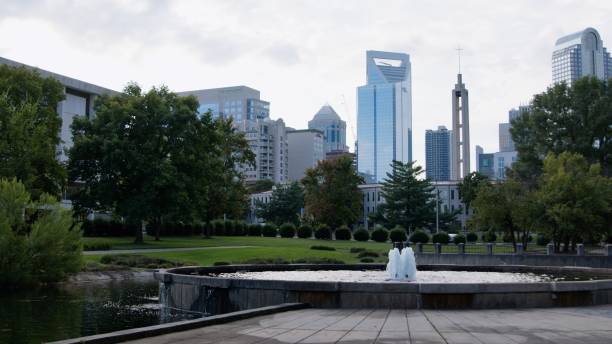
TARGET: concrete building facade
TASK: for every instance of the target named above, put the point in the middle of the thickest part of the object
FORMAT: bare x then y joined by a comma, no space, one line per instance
305,149
333,127
580,54
437,154
79,101
267,138
384,114
460,155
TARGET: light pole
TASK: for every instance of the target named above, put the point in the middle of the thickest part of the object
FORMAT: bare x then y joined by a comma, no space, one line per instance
437,210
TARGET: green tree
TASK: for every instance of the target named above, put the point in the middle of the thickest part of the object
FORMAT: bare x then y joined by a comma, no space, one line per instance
29,130
284,205
331,192
148,157
39,242
409,201
468,188
577,199
261,186
576,118
509,207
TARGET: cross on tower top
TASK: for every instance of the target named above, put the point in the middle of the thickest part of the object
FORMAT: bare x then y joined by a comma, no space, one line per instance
459,49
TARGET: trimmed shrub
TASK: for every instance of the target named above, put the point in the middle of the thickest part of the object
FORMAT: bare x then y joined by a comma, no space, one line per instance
269,230
323,232
366,260
419,236
489,236
97,246
380,234
441,238
254,230
229,227
361,234
263,261
542,240
398,234
343,233
322,248
239,228
459,239
357,249
287,230
218,227
471,237
220,263
368,254
138,261
304,232
318,260
507,238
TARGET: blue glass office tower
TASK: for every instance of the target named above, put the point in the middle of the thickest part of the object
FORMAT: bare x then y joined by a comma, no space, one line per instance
384,114
580,54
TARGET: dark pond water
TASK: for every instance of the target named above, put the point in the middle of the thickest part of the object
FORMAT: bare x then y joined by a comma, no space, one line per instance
82,309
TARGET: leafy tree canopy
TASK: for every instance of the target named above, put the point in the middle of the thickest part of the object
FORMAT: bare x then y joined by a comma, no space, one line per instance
284,205
30,129
331,192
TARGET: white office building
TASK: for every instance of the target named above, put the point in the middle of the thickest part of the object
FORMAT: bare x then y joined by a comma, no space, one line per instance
306,148
580,54
267,138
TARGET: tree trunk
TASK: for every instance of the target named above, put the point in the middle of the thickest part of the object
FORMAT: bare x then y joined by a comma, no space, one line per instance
139,239
157,228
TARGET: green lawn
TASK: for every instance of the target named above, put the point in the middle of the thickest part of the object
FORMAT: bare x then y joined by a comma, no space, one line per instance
262,248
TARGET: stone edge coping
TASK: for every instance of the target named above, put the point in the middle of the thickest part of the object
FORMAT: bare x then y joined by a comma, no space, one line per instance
397,287
156,330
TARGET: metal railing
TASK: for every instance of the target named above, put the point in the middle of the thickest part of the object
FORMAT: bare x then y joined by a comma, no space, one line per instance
506,248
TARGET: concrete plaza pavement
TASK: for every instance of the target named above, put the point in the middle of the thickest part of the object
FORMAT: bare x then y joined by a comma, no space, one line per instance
546,325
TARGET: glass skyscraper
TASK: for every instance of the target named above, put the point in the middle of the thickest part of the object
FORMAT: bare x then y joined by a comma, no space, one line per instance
333,128
384,114
580,54
437,154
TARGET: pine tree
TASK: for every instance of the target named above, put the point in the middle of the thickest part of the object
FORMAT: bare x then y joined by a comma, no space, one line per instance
409,201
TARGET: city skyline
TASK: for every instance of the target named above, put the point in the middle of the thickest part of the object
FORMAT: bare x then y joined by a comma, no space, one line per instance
294,63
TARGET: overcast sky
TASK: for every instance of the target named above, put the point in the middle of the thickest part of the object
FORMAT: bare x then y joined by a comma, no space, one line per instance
303,54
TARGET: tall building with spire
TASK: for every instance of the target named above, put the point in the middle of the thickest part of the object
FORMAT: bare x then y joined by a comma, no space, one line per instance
580,54
333,128
461,131
384,114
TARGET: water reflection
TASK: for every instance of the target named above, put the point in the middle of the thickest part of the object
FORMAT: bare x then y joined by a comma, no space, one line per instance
82,309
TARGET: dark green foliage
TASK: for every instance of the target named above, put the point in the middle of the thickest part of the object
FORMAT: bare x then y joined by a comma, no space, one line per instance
104,227
229,227
261,186
368,254
269,230
459,239
265,261
468,188
221,263
472,237
322,248
240,228
343,233
398,234
380,234
366,260
255,230
304,232
507,238
323,232
284,205
39,241
218,227
542,240
331,192
29,130
97,246
409,201
419,236
440,238
287,230
361,234
138,261
318,260
357,249
489,236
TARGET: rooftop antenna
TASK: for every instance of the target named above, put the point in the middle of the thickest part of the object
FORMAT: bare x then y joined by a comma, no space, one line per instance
459,49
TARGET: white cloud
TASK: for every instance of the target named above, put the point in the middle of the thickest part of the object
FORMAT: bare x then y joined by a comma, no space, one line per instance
301,54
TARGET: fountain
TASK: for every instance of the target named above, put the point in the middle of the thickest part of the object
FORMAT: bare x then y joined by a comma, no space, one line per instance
402,265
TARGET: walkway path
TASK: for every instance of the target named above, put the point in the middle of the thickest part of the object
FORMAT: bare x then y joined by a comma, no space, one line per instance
155,250
551,325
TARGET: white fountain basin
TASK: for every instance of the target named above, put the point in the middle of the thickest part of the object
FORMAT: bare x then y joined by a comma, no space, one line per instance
377,276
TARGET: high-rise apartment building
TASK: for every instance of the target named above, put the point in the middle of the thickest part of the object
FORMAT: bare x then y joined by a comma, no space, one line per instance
238,102
267,138
580,54
80,96
306,149
384,114
506,144
460,155
437,154
334,129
